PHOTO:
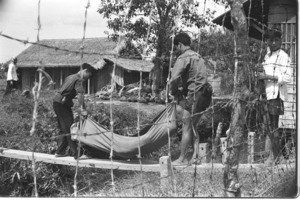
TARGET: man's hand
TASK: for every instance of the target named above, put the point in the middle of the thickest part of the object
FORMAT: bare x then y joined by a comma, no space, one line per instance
83,114
172,98
260,72
260,68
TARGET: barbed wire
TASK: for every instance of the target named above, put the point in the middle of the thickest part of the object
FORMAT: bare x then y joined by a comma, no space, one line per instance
80,51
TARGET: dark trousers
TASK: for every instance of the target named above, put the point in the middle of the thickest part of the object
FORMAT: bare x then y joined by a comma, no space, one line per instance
280,139
65,119
10,86
198,102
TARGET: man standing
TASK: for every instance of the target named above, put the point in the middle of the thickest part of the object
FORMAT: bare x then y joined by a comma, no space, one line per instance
276,73
189,71
62,104
12,77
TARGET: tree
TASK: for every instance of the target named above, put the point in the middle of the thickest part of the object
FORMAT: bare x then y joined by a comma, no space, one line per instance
241,93
168,17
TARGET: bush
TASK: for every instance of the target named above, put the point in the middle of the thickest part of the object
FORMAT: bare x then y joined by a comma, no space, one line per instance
124,117
15,122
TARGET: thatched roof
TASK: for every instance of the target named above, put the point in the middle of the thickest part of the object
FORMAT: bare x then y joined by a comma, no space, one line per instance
99,49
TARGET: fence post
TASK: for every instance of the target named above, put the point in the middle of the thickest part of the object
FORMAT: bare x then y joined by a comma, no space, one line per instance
204,153
223,148
251,136
165,171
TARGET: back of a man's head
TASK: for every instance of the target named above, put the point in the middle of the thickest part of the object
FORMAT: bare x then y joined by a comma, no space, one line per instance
183,38
89,68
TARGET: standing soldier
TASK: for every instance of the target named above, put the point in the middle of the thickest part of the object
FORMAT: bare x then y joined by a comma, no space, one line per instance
62,105
190,70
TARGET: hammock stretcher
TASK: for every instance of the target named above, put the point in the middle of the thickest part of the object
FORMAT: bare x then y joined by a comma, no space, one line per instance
151,138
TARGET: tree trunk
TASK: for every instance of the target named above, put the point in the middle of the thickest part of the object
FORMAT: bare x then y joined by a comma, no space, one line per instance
163,37
231,181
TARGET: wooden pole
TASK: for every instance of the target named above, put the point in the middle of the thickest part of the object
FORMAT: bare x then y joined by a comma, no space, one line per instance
216,142
166,173
223,149
251,136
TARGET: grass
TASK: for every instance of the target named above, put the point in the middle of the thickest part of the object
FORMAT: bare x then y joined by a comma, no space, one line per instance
56,180
208,183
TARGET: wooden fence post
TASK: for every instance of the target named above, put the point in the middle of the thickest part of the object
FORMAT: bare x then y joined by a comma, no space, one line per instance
216,148
223,148
166,172
204,153
251,136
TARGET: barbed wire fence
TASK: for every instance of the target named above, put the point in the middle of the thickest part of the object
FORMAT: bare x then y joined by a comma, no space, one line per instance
264,180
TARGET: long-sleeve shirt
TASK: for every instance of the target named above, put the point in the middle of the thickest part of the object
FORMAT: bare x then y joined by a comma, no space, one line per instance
12,72
70,88
191,70
277,64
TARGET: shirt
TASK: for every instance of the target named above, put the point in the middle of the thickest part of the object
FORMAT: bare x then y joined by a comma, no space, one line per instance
12,72
70,88
277,64
191,70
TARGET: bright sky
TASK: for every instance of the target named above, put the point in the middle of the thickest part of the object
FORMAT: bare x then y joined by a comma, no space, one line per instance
59,19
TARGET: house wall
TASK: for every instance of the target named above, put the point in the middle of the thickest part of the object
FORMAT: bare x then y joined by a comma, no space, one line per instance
27,78
133,76
102,78
282,14
58,75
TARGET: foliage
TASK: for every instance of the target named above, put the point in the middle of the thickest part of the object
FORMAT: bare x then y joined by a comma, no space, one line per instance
15,123
167,18
132,19
218,46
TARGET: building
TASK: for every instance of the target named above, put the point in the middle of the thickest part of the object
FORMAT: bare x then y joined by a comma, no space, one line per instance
280,14
62,57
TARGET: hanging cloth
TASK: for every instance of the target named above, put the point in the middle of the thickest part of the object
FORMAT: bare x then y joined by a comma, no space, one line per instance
151,138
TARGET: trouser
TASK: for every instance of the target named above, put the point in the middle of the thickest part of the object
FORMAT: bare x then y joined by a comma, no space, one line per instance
10,86
65,119
199,101
276,108
274,119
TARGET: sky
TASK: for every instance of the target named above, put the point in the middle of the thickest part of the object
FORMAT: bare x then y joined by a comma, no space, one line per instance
60,19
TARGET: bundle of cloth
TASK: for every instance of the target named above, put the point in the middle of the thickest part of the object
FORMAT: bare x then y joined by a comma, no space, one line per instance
152,137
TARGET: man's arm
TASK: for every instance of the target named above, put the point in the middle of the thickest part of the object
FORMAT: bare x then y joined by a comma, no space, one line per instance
285,71
80,92
176,73
263,76
284,74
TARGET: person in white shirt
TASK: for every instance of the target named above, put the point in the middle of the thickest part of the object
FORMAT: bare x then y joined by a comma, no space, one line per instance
276,73
12,77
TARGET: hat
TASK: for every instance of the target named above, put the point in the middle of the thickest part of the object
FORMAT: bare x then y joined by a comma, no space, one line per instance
271,33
